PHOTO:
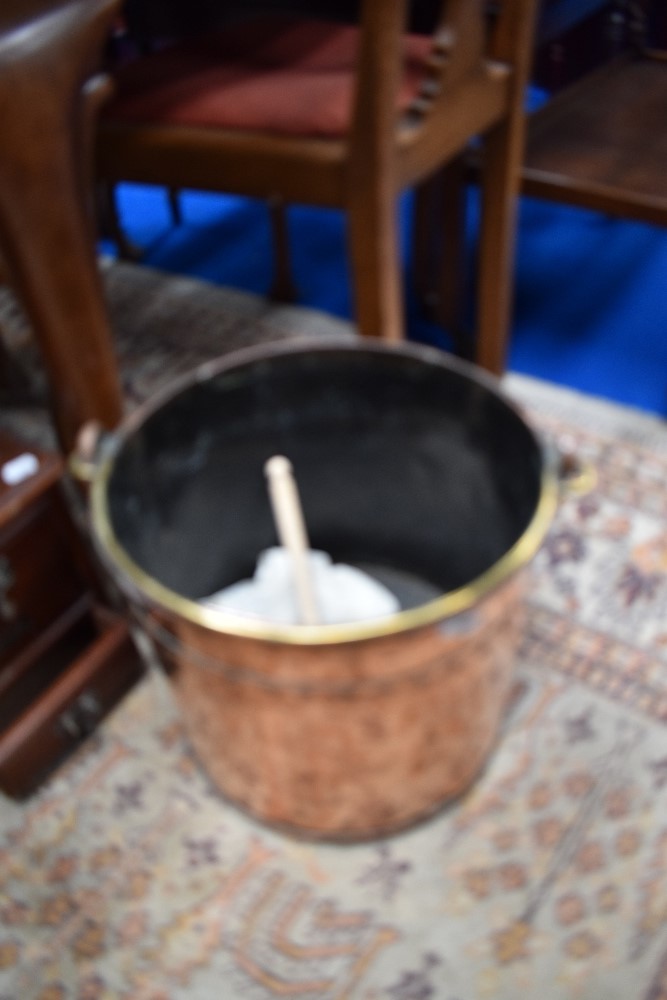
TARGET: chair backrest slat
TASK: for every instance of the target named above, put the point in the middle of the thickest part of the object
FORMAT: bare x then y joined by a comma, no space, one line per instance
459,48
469,36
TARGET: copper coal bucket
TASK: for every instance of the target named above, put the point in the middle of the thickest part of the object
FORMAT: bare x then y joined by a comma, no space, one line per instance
410,464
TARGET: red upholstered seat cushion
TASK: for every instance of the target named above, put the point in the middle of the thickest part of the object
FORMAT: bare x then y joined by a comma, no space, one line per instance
282,76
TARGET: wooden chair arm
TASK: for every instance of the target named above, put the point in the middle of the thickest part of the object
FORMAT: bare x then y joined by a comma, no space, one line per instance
45,225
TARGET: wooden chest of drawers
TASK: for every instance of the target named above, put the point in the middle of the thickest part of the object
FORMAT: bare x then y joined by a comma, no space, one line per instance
65,659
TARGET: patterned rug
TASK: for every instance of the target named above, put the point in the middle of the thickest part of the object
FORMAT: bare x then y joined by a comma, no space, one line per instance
128,877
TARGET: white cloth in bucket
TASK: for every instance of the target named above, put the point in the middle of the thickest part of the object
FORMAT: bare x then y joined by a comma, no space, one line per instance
344,593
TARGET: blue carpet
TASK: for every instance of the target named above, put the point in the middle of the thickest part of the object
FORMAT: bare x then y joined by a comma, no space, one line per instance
591,307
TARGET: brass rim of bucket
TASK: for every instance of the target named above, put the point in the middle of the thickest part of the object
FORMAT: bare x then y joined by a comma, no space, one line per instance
452,603
446,606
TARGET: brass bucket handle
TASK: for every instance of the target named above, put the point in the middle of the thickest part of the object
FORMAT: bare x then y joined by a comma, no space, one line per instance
576,475
83,462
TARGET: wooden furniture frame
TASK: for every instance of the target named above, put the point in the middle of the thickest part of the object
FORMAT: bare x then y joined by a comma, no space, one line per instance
473,87
602,142
65,657
50,90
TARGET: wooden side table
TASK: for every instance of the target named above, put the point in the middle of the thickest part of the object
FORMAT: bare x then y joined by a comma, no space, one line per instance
65,659
601,143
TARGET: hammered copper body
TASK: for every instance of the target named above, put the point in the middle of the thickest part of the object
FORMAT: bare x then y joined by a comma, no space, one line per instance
407,461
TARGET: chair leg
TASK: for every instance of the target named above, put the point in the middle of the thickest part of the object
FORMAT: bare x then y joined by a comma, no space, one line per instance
282,288
173,196
376,265
500,191
425,251
439,244
110,224
452,283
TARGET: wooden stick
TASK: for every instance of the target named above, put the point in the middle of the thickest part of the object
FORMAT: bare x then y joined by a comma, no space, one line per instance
291,529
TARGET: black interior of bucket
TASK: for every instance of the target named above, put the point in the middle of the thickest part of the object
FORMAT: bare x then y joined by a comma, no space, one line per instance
400,463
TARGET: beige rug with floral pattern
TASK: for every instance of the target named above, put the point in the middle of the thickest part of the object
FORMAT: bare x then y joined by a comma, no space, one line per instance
127,877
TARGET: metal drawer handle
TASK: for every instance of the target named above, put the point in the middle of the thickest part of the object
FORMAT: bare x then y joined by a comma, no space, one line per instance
82,717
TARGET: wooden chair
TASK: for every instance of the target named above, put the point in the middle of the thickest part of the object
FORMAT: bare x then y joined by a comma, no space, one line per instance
49,92
302,111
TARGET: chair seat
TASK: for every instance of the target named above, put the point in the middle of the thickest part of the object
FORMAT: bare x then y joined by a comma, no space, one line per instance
282,76
602,143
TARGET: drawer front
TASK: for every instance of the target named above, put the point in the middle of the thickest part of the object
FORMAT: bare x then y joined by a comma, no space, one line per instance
38,576
68,711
